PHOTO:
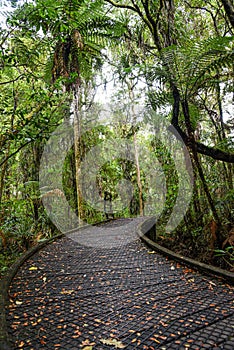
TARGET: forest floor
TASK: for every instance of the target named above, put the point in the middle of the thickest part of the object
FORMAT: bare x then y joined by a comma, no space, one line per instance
199,251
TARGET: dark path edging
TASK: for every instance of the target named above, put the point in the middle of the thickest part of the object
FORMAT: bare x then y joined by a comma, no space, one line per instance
208,269
5,341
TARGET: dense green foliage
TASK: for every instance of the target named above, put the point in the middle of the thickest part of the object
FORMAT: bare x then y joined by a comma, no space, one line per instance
172,57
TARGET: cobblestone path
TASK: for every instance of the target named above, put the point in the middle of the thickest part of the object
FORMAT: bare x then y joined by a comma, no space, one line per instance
103,289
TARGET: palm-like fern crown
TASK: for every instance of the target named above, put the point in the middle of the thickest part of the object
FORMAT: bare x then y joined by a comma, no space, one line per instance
192,66
198,65
76,31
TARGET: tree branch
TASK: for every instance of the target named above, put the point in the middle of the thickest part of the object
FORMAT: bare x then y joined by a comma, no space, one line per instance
148,21
214,153
122,6
207,10
11,81
145,19
148,15
14,153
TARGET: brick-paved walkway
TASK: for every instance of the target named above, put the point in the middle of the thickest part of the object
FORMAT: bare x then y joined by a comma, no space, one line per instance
116,295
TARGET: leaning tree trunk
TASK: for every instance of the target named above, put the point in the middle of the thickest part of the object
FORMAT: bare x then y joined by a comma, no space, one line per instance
197,162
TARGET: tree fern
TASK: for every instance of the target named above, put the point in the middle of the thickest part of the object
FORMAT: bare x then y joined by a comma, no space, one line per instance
191,66
61,22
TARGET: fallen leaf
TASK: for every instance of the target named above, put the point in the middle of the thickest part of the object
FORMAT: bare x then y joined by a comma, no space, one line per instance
187,270
18,302
154,339
116,343
191,280
213,284
86,342
67,291
162,337
32,268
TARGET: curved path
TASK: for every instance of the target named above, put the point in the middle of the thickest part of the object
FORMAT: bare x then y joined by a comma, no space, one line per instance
102,288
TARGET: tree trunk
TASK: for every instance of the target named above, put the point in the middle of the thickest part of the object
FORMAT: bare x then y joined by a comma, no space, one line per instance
196,159
136,153
138,171
2,176
77,148
229,9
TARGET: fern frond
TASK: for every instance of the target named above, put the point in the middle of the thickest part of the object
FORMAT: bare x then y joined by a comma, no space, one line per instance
159,99
48,69
190,66
217,62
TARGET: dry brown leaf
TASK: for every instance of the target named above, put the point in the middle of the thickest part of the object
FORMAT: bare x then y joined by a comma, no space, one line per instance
67,291
116,343
87,342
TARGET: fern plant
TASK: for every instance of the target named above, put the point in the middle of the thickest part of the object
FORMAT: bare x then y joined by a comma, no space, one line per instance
195,65
72,32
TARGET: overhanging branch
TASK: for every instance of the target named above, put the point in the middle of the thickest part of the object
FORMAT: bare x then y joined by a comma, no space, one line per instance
122,6
212,152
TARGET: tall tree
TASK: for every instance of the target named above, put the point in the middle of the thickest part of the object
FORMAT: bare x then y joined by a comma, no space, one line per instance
78,31
152,13
186,67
